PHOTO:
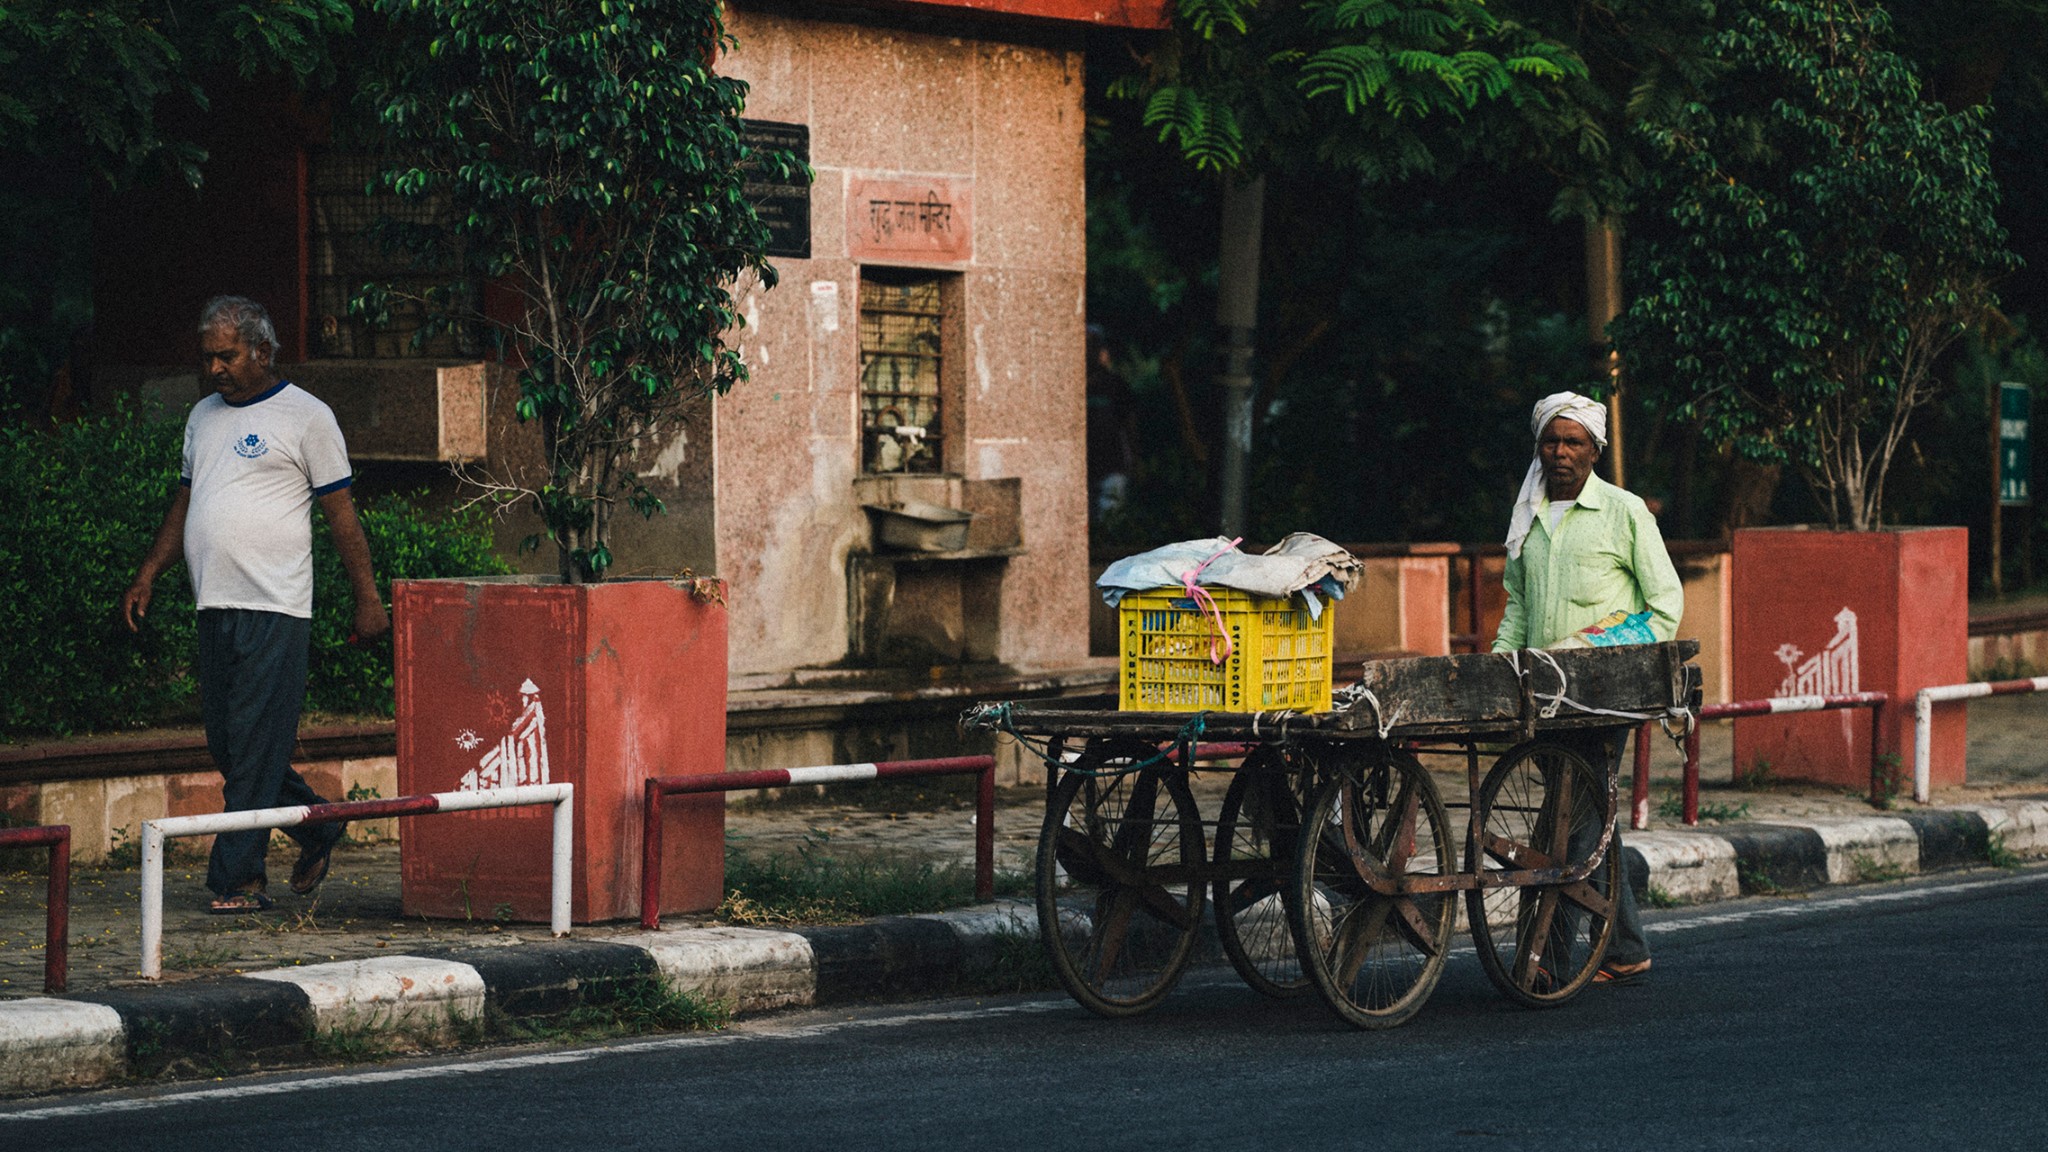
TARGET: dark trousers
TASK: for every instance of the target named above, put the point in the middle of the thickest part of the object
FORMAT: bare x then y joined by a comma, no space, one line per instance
1603,751
252,684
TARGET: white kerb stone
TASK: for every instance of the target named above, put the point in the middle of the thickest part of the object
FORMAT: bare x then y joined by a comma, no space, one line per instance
1689,867
47,1044
749,968
411,997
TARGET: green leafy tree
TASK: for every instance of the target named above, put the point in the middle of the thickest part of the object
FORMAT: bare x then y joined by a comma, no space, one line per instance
586,161
1814,234
1356,84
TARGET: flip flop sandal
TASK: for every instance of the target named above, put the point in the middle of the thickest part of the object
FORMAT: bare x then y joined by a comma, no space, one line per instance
311,868
1621,973
239,904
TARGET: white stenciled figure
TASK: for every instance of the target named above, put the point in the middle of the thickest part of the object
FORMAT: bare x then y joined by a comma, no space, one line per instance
521,757
1835,670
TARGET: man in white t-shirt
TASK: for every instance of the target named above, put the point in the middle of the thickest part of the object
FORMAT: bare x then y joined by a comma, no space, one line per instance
258,454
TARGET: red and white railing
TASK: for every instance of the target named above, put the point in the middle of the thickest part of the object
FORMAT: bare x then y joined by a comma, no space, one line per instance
1875,701
1923,718
660,786
155,832
56,895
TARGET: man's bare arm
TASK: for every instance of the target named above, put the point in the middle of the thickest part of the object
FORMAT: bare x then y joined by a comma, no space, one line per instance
371,619
164,551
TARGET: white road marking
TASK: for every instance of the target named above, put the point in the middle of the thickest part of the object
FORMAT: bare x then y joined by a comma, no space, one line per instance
767,1031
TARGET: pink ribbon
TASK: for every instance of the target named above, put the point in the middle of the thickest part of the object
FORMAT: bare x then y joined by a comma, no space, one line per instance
1207,604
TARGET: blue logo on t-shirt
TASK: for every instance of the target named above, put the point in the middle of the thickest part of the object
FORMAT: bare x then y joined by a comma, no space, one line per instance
251,446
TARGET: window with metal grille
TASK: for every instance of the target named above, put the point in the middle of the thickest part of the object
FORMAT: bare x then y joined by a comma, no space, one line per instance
901,316
346,253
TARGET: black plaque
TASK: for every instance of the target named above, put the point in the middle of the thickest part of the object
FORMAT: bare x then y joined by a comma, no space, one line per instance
784,207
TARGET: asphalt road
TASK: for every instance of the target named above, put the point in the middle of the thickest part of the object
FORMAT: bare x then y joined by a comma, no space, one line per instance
1911,1015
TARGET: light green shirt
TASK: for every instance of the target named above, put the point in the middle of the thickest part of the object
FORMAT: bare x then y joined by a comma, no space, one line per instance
1606,554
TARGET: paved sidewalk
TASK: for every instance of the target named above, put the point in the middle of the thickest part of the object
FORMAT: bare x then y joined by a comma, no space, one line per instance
348,956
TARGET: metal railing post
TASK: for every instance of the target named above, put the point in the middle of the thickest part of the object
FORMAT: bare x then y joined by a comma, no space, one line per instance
152,901
650,855
985,833
1639,806
57,913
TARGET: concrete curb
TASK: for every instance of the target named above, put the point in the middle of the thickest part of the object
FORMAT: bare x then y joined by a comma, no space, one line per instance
446,995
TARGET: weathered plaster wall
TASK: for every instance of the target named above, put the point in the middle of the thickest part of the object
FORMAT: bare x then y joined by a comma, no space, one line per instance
883,102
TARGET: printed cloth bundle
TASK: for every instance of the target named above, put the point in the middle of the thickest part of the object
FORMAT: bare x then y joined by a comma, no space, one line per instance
1612,631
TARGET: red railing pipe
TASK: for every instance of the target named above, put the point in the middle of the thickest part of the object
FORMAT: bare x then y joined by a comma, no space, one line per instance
660,786
1875,701
56,896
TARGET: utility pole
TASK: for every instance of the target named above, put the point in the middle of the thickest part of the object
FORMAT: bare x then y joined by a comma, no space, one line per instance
1237,316
1603,304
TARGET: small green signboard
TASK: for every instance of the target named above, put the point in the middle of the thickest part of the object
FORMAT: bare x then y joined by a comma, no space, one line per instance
2015,458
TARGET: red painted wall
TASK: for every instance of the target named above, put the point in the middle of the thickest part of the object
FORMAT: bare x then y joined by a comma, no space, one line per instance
1109,13
1906,593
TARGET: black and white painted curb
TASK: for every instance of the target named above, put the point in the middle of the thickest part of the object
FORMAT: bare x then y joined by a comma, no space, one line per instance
50,1043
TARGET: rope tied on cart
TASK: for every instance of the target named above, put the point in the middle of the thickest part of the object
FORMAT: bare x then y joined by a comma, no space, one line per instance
1675,712
996,716
1206,603
1355,694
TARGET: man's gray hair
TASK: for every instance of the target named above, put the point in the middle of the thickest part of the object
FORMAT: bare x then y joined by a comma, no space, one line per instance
248,319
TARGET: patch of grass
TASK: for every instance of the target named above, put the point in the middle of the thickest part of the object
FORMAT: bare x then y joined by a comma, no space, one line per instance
1886,781
347,1044
1657,897
1013,962
820,883
628,1008
1756,880
205,954
1998,854
2011,668
1870,870
124,851
1672,807
1755,777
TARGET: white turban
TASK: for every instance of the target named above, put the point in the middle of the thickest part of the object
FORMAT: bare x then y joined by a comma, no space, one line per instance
1571,406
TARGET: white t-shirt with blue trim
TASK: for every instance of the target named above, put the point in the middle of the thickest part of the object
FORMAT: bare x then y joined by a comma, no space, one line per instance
255,469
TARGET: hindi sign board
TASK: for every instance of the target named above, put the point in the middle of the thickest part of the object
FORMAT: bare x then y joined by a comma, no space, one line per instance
2015,456
910,220
784,207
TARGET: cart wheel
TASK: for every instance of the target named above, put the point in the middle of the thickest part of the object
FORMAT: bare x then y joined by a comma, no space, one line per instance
1542,805
1258,825
1118,899
1375,958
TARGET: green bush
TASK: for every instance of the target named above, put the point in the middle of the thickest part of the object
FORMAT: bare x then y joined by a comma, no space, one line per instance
405,544
82,505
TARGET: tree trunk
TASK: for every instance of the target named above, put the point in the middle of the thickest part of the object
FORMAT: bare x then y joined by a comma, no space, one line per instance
1237,318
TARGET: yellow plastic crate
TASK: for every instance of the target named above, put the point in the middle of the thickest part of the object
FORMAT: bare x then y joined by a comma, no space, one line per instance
1280,658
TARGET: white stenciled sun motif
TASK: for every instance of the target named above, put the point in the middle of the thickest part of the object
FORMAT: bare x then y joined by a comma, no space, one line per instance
521,756
467,739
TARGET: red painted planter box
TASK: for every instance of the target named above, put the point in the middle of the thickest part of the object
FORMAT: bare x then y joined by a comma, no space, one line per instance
518,681
1818,613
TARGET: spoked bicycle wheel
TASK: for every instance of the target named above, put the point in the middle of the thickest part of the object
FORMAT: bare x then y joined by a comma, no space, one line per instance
1374,956
1118,900
1543,806
1256,830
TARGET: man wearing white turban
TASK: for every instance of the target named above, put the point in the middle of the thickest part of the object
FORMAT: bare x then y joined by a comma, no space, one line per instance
1578,549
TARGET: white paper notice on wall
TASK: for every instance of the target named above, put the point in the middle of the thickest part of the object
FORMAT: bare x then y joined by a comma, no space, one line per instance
825,306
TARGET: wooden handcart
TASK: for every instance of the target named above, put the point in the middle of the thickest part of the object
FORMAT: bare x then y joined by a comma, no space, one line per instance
1333,862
